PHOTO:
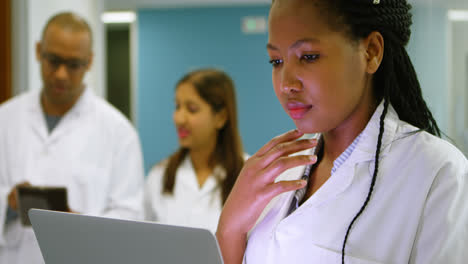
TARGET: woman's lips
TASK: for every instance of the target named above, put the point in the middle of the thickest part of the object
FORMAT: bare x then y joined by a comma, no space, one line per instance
297,110
182,133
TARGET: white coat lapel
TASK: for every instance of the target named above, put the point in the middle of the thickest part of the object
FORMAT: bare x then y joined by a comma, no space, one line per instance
364,152
368,142
70,121
36,117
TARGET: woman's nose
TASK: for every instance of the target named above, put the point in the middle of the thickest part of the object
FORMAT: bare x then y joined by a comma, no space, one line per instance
289,81
179,116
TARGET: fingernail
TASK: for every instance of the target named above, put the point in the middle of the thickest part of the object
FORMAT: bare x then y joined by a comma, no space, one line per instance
313,158
301,183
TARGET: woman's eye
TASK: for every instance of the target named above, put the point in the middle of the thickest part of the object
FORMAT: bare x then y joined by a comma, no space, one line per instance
310,57
192,109
275,62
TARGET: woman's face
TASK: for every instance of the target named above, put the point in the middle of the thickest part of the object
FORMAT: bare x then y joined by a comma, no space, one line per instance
319,75
196,123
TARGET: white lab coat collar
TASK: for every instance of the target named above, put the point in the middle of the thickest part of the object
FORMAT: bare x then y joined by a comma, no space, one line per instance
80,106
364,152
36,113
186,174
367,145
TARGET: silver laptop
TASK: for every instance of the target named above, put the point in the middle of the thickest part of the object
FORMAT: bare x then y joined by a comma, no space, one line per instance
73,238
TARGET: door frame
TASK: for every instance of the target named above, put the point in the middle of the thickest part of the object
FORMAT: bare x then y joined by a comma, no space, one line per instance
5,49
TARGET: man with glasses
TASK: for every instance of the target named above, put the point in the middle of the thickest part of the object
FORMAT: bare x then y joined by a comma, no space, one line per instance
64,135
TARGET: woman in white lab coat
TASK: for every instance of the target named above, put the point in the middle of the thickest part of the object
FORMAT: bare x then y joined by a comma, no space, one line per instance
190,187
379,185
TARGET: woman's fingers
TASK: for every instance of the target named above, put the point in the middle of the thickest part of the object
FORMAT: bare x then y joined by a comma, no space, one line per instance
285,149
282,164
288,136
280,187
255,185
281,146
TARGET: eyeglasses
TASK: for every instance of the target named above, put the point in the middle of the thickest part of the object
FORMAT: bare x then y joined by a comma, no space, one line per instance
72,65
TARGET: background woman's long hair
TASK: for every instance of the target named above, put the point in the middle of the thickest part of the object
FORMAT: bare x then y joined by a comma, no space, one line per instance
217,89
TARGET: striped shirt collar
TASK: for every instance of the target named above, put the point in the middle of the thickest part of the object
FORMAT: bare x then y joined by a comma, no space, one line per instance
345,155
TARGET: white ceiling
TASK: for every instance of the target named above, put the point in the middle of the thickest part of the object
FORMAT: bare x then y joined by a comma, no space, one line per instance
135,4
453,4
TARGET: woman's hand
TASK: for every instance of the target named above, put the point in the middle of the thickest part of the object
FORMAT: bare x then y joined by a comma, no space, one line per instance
256,187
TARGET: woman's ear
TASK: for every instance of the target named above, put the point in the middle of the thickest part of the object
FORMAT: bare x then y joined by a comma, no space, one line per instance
221,118
374,44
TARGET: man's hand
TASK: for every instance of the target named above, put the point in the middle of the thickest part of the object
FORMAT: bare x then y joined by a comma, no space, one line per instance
12,202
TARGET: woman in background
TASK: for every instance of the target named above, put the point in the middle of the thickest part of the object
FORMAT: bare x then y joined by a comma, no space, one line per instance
190,187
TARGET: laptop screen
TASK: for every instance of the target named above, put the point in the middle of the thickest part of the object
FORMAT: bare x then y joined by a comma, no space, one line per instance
74,238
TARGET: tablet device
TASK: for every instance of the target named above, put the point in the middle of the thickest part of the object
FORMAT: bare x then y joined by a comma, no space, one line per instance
51,198
77,239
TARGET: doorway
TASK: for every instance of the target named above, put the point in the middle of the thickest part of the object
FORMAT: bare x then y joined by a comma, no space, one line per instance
5,48
459,84
118,67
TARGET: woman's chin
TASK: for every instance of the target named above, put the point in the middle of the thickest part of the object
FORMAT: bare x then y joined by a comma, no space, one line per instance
184,143
306,128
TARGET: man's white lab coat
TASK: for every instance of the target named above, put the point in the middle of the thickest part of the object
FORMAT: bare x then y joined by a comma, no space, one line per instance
93,151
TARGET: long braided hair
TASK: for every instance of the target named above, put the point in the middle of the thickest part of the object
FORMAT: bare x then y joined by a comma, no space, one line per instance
395,82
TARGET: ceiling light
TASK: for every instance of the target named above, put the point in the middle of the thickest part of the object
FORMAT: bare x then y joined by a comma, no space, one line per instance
118,17
458,15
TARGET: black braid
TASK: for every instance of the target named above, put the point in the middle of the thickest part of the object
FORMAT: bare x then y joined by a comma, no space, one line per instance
395,81
398,78
374,177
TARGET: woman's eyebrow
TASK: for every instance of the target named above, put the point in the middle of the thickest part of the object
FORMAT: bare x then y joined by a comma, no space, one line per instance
296,44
